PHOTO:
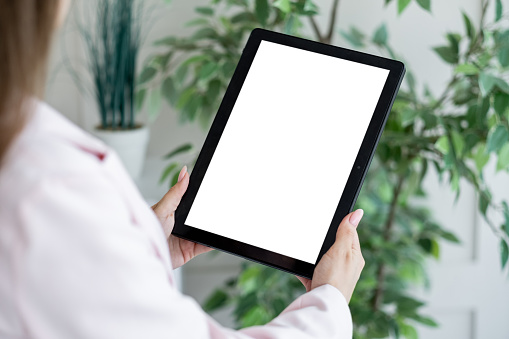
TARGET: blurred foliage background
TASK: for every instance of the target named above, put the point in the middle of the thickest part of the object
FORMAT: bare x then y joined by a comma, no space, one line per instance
456,133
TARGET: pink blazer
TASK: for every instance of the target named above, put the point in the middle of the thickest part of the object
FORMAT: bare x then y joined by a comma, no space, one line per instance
83,256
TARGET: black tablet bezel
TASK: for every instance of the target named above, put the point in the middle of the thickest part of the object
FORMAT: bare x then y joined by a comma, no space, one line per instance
357,174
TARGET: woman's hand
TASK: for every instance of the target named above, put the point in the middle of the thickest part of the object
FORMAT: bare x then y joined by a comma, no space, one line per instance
342,265
181,251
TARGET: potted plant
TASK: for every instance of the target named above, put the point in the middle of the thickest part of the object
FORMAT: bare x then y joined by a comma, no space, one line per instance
112,42
456,133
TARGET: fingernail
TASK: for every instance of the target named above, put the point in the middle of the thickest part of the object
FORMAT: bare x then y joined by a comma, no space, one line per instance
356,217
182,173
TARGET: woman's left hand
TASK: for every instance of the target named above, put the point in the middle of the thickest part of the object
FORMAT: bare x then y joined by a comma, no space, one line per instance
181,251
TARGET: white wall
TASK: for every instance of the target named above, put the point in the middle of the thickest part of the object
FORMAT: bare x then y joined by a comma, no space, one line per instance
469,295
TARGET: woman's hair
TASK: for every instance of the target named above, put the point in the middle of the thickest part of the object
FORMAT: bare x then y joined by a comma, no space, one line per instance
26,28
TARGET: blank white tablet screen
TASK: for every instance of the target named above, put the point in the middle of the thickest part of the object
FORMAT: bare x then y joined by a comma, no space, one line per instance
287,150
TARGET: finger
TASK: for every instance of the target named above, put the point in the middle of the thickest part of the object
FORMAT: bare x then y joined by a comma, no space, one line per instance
355,219
200,249
305,281
356,244
171,200
346,235
183,172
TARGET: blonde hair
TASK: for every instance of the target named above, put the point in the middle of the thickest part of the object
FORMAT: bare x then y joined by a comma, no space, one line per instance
26,29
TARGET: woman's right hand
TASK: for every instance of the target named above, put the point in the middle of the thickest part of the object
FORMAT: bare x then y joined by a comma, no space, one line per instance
342,264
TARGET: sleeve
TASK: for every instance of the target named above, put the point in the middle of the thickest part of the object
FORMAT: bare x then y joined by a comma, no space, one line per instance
86,271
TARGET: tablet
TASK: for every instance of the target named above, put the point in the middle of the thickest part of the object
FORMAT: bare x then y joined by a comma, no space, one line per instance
288,150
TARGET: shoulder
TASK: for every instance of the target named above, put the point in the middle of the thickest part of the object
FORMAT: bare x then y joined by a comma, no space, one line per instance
53,144
50,153
50,146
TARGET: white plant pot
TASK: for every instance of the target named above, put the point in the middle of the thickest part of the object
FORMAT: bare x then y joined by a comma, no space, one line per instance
130,145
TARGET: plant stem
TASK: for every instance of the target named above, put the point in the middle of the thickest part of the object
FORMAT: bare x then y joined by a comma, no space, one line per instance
332,22
327,38
380,276
316,29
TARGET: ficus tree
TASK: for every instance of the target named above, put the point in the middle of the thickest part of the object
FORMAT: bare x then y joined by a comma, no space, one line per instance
455,133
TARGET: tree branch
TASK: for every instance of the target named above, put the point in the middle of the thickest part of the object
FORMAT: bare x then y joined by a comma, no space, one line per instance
332,22
380,276
316,30
327,38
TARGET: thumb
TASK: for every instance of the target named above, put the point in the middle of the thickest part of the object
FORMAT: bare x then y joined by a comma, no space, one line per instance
346,235
171,199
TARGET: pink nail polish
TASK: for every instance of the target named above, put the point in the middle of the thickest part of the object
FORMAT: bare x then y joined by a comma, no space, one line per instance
356,217
182,173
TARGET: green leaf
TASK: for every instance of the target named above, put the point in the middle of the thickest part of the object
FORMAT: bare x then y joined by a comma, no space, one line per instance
442,144
213,91
171,40
454,42
169,92
469,27
503,56
435,249
282,5
502,85
228,69
262,11
481,157
255,316
425,4
139,99
290,24
191,109
245,303
180,74
179,150
205,10
354,36
425,244
402,4
497,137
217,300
204,33
484,202
154,104
467,69
174,179
447,54
409,332
195,59
458,143
160,62
503,158
449,237
504,253
167,171
186,95
501,103
208,71
242,17
425,321
248,278
380,36
146,75
498,10
408,305
486,83
197,22
310,8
